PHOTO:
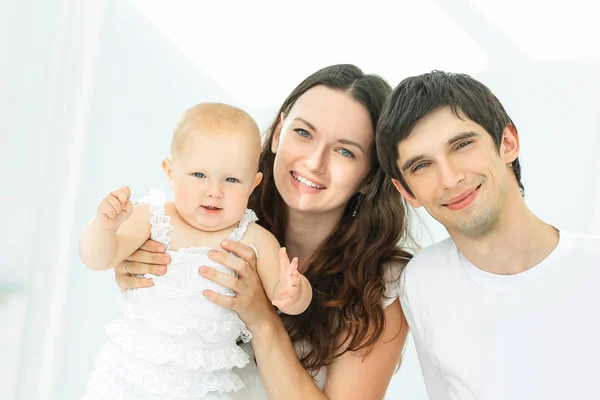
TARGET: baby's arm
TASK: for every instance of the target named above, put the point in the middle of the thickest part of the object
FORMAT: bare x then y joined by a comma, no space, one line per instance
287,289
117,231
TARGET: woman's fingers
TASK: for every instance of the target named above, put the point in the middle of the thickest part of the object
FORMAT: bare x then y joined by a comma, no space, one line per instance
250,300
153,246
138,268
244,252
239,265
221,299
130,282
145,257
221,279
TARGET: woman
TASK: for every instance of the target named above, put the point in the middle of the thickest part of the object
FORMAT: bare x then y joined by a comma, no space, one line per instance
327,200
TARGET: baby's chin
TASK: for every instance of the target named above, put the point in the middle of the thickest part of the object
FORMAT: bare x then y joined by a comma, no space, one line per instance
215,221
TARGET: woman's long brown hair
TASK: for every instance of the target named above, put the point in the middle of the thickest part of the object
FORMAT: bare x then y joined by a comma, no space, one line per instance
347,270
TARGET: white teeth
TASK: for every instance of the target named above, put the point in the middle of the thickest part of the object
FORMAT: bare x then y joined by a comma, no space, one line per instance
306,182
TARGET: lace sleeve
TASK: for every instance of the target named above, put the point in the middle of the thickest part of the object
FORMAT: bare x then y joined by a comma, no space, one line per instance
161,223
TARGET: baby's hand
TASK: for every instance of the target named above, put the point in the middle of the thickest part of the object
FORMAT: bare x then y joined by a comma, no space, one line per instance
114,209
289,280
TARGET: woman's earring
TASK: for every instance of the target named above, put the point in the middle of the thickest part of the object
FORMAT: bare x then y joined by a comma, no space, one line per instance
357,202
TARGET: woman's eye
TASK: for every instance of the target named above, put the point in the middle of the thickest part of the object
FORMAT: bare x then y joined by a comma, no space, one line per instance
302,132
346,153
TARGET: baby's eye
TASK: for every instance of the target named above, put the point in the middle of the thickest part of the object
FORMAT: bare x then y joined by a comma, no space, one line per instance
199,175
231,180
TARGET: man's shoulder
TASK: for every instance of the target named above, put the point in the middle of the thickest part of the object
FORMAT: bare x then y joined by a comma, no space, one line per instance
432,257
431,268
581,237
582,243
425,279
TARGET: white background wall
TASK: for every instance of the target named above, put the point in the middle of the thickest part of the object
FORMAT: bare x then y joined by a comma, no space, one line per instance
90,91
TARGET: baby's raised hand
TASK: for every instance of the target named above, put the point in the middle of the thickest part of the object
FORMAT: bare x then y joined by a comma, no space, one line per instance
289,281
114,209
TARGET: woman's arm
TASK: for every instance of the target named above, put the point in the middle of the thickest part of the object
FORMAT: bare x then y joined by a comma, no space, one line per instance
355,376
281,371
352,376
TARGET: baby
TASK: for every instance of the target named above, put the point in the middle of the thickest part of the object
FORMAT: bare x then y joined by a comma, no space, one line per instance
172,342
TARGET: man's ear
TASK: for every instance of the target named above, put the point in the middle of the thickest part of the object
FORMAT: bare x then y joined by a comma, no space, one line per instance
510,146
409,198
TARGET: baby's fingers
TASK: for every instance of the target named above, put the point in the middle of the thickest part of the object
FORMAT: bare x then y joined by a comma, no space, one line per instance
123,194
107,210
294,265
295,279
128,208
284,260
115,205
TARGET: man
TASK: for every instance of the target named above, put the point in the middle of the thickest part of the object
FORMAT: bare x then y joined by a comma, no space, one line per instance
507,307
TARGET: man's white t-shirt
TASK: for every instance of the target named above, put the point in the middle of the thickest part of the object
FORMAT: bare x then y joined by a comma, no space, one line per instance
530,336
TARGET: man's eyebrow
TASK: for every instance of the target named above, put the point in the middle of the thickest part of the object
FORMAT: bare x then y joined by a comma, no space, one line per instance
461,136
456,138
411,161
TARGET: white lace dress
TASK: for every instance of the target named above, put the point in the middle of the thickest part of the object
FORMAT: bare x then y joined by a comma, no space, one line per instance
172,343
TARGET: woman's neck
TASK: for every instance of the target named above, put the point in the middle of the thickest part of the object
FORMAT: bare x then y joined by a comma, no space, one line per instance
305,232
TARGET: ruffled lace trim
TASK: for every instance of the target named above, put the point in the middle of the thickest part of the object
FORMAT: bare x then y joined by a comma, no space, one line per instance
188,350
106,384
161,223
237,234
130,374
219,328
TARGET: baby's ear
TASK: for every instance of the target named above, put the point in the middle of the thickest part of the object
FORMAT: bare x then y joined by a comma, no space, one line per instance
167,166
257,179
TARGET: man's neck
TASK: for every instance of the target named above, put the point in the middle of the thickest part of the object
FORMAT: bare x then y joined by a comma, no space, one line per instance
305,233
519,241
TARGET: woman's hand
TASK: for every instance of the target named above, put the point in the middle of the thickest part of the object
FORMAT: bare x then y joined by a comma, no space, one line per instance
250,301
149,258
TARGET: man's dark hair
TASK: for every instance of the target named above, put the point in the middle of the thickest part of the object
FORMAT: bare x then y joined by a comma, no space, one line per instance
417,96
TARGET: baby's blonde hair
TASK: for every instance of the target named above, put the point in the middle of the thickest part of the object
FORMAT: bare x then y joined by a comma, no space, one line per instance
217,119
